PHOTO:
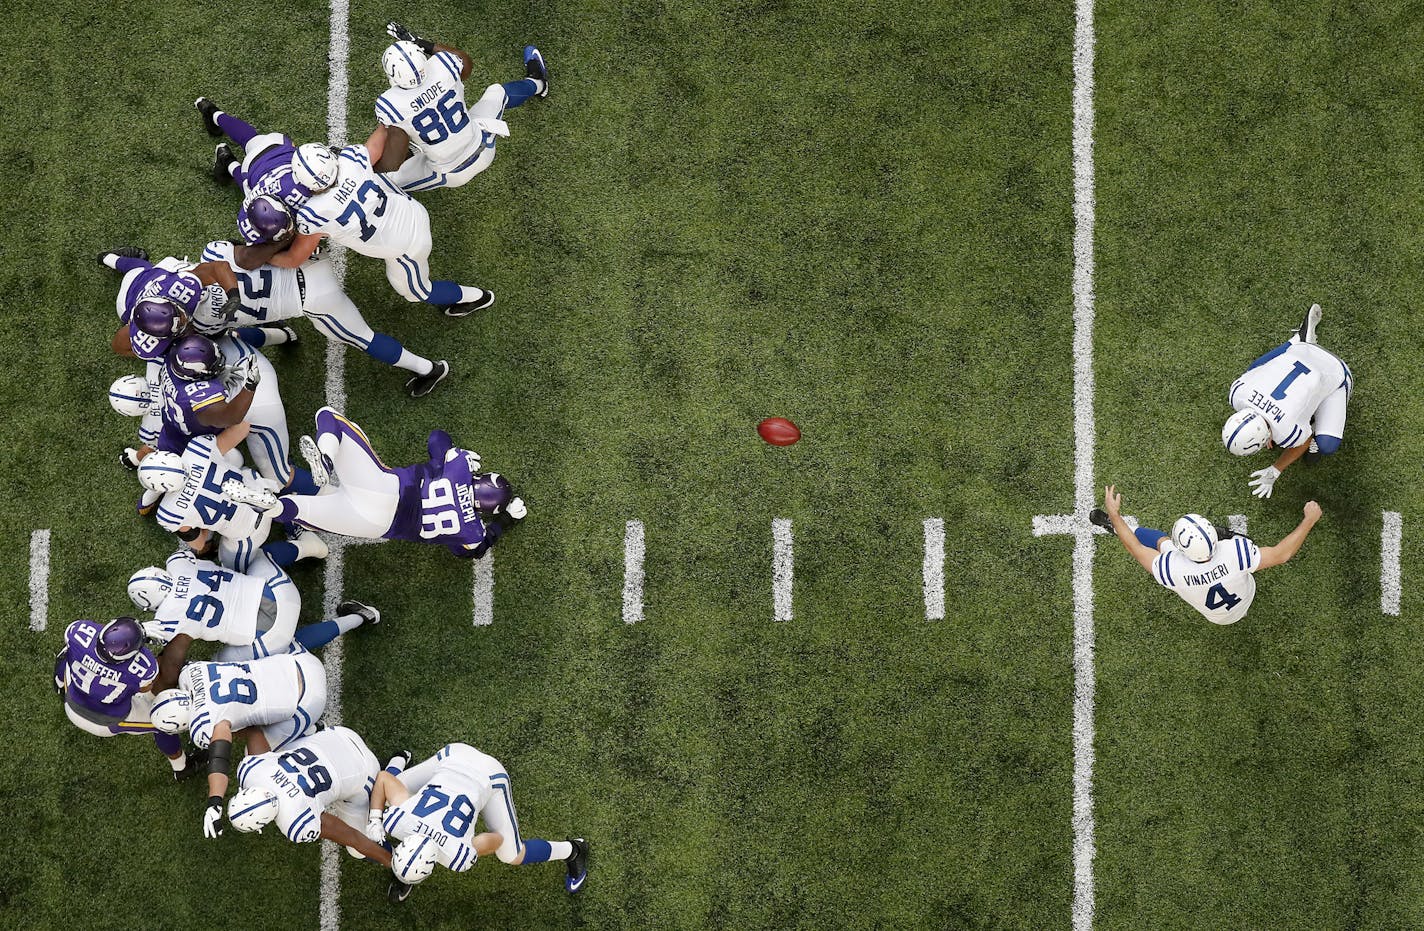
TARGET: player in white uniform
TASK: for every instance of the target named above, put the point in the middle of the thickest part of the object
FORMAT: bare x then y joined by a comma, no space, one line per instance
270,702
1293,397
450,141
318,787
1212,570
271,294
431,809
356,207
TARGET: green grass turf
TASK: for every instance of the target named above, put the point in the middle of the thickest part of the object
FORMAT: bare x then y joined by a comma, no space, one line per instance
854,216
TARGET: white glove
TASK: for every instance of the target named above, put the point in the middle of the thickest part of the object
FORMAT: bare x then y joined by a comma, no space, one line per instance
213,818
516,508
374,828
248,371
1263,481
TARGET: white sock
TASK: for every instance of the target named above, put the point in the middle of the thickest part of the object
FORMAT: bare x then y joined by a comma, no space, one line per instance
414,363
308,544
349,622
470,294
179,763
560,850
274,336
397,765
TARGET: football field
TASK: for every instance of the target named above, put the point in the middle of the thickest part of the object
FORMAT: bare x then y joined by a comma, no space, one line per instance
989,256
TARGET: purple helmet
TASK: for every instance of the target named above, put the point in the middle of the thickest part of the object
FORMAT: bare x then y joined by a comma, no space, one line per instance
270,218
159,318
119,640
492,492
195,358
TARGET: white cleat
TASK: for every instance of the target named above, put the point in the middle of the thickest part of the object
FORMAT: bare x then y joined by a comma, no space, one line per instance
239,493
309,545
317,461
1312,320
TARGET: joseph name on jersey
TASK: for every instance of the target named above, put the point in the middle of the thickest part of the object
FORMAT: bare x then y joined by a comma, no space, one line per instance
208,602
313,773
365,212
1222,588
1288,387
200,502
433,114
261,692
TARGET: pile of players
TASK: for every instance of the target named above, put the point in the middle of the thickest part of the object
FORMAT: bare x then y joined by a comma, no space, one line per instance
1292,398
208,393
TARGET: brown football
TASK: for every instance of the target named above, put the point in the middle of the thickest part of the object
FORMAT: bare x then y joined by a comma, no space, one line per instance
778,431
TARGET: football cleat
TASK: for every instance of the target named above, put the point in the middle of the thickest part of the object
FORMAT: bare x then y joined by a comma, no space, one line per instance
1099,518
1312,454
278,334
318,462
486,299
239,493
208,111
421,385
369,615
309,544
397,892
404,756
124,252
1307,328
197,762
535,68
577,865
223,160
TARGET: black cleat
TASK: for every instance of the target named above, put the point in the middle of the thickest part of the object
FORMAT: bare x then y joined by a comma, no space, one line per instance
124,252
223,160
1099,518
368,614
535,68
577,865
209,113
197,761
397,892
486,299
1313,454
421,385
406,757
1224,533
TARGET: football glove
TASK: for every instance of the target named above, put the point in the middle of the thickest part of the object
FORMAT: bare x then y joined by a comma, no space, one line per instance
129,459
251,376
1264,480
213,817
374,829
61,665
401,34
516,509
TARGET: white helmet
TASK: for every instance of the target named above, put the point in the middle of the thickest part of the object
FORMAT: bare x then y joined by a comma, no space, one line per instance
1245,433
314,166
251,810
162,471
129,395
413,859
149,586
172,710
1195,537
404,64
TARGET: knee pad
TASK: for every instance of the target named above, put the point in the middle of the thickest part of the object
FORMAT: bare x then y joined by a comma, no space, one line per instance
1328,445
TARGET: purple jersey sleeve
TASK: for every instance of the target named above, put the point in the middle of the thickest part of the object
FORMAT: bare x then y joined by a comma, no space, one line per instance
102,687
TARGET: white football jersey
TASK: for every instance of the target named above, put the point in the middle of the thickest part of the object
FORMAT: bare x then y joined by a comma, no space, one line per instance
311,775
434,115
365,212
209,602
200,502
1288,388
259,692
449,791
268,293
1221,588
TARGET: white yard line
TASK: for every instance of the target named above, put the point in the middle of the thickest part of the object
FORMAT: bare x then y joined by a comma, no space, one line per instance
782,568
39,579
1391,585
1236,523
633,550
1084,486
338,88
484,590
934,568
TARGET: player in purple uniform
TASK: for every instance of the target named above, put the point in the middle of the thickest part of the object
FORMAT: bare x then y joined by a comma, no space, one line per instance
195,403
445,500
265,168
105,675
156,302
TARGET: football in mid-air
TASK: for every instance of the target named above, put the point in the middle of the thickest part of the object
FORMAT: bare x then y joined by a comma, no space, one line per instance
778,431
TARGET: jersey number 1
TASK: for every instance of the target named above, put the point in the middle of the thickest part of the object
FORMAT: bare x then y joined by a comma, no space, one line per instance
1297,370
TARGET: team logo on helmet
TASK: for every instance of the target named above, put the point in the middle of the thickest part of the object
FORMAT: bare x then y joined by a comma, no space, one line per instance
129,395
195,358
172,710
1195,536
119,640
404,63
1245,433
162,471
251,810
270,218
314,166
149,586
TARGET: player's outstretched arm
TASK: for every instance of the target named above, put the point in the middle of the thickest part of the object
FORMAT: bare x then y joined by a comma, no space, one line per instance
1282,552
170,662
121,344
334,829
228,439
227,413
218,273
1287,458
250,258
301,249
1112,503
397,150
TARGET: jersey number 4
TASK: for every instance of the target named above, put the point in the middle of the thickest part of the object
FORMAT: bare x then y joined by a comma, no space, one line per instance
357,208
1218,597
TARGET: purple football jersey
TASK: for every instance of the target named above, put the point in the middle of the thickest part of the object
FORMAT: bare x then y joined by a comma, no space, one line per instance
182,288
181,402
100,686
437,499
270,173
